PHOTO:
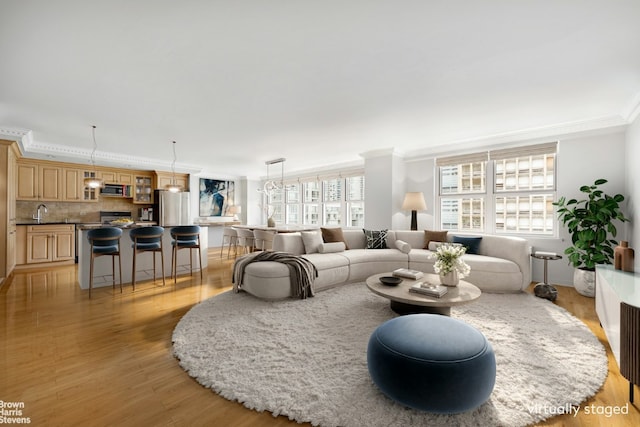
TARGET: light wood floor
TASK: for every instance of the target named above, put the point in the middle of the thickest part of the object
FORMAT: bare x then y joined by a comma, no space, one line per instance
108,361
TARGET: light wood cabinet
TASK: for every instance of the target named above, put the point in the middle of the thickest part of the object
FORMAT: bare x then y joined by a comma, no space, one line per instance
109,177
27,181
143,189
72,184
50,243
163,179
125,178
37,181
8,155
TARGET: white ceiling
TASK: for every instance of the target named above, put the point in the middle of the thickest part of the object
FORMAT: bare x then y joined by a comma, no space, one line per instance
237,83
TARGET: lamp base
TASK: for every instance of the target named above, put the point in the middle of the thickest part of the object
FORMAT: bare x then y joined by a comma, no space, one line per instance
414,220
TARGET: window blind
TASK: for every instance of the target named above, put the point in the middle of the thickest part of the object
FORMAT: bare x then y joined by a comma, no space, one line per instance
529,150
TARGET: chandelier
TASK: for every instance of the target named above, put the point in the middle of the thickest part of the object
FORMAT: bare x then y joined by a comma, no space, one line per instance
174,187
93,181
271,185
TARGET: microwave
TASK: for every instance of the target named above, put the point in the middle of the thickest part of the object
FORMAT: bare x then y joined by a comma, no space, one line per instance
112,190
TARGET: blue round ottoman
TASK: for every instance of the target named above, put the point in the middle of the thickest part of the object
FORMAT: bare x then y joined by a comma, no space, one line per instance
432,363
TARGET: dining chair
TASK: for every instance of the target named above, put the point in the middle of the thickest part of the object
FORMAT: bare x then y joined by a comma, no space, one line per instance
246,239
263,239
147,239
230,237
185,237
105,241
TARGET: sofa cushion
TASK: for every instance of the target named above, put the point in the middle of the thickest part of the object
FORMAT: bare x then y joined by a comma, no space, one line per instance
328,261
403,246
357,256
333,235
376,239
329,248
311,240
434,236
471,243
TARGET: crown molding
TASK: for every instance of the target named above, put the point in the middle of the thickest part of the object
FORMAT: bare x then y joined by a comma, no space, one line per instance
46,151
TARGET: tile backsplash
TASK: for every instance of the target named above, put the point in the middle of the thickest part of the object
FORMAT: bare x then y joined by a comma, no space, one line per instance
76,212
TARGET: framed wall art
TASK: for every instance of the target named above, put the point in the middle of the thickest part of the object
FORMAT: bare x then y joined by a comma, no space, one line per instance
215,196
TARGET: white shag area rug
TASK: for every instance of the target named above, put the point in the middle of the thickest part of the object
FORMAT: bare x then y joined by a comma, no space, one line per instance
306,359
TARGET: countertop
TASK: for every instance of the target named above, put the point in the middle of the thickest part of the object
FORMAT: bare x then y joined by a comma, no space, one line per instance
34,222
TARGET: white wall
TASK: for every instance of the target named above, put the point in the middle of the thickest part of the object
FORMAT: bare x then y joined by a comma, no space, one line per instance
380,186
632,151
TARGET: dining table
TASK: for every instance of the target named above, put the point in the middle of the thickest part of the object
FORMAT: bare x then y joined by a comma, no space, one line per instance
279,228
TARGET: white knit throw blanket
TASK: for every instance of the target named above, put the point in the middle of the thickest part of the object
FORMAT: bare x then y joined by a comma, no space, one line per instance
302,272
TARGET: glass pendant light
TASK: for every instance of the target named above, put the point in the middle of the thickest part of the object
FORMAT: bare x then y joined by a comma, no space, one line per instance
93,181
174,187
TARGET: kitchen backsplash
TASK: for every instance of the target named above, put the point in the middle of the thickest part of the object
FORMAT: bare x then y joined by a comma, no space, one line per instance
76,212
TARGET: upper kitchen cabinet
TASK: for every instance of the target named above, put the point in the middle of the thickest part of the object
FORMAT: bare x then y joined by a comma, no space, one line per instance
143,189
163,179
38,181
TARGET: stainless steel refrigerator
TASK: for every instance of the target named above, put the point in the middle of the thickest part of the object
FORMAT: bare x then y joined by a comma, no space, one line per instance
171,208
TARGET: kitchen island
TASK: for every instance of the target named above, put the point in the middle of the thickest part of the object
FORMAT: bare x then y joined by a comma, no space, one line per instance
144,261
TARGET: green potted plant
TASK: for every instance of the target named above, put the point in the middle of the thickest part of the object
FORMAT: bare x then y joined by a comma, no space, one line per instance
591,224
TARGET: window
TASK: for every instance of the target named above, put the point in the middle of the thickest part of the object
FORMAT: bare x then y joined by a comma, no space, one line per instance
330,201
523,189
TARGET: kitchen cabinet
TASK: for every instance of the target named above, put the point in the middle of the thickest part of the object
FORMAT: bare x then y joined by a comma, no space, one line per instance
38,181
89,194
109,177
163,179
72,184
50,243
143,189
8,156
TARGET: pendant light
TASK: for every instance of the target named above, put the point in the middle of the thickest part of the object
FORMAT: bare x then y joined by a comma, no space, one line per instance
93,181
174,187
272,185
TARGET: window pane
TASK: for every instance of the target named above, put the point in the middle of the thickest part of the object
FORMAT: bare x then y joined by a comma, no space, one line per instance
311,192
527,173
355,188
332,214
311,214
293,214
332,190
530,214
293,193
356,214
462,214
466,178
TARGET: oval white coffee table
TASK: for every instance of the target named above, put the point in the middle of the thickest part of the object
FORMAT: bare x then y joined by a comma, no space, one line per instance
404,302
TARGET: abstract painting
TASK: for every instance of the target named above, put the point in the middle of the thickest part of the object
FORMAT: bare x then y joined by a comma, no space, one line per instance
216,196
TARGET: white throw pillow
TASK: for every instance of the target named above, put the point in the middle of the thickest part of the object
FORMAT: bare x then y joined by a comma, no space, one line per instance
403,246
312,240
331,247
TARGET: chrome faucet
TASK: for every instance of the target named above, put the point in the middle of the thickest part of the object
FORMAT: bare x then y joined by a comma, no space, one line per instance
38,215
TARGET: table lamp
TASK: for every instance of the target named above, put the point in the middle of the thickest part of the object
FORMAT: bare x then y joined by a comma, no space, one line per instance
414,201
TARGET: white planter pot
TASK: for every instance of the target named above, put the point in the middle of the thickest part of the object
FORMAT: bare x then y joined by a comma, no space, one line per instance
585,282
450,279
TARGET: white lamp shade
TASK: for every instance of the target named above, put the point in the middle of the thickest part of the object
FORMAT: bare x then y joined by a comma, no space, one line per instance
414,201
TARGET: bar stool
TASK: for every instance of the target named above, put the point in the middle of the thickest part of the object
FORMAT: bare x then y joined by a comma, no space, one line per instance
105,241
230,236
147,239
185,237
263,239
246,240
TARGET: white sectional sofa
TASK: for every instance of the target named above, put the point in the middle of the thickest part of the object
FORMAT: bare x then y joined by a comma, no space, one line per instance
502,264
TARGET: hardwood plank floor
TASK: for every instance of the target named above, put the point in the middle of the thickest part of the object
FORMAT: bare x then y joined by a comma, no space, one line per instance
108,361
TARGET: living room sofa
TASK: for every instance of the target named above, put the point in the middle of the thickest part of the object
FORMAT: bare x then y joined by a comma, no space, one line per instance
502,263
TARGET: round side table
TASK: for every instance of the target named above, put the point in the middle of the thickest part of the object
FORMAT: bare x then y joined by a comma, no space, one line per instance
544,289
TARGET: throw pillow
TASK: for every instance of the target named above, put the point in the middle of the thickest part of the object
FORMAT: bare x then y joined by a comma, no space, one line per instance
434,236
330,235
312,240
376,239
403,246
471,243
329,248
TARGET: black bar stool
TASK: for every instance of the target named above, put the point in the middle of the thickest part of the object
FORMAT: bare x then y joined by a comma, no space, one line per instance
105,241
147,239
185,237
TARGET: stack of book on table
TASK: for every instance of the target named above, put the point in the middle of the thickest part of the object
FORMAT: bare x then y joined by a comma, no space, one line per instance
408,273
428,289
